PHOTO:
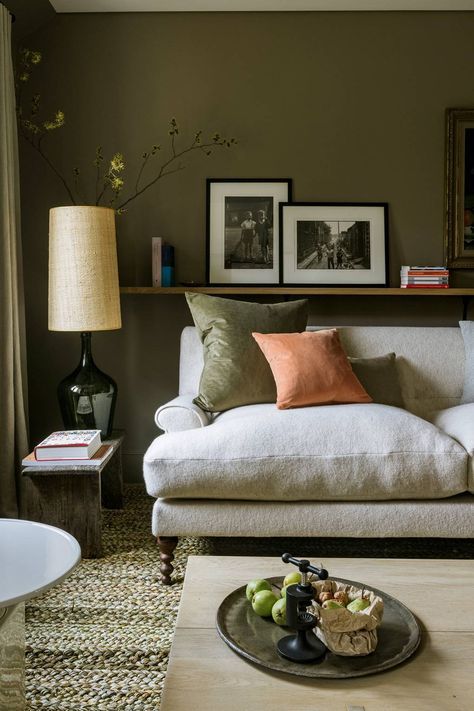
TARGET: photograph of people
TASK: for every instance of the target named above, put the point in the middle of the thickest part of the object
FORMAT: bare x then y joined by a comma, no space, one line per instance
248,236
262,229
338,244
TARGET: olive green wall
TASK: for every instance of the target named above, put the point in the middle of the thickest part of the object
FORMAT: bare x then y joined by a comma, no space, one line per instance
350,105
30,15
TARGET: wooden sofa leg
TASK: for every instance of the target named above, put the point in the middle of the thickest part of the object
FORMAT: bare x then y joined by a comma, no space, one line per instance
166,544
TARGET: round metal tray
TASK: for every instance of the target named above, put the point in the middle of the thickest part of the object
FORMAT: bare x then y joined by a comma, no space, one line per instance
255,638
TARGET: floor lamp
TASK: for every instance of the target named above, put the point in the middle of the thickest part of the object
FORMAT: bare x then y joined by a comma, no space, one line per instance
84,296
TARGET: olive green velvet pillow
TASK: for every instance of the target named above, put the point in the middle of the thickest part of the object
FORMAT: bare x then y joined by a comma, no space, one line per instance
235,370
379,377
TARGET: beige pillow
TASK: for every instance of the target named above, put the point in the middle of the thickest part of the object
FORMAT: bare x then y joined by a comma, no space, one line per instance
235,370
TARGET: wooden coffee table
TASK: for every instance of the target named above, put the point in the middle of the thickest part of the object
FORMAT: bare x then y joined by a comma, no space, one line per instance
204,674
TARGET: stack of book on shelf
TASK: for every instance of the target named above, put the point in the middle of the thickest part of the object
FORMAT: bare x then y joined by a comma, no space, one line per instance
69,447
424,277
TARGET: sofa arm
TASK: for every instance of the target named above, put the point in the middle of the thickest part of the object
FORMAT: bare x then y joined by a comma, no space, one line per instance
458,423
181,414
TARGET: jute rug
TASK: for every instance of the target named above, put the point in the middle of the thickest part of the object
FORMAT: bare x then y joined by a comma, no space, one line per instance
101,639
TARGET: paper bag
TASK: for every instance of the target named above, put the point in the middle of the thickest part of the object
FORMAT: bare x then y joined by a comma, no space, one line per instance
342,631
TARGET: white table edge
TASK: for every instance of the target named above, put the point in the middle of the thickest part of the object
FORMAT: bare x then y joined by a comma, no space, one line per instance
37,591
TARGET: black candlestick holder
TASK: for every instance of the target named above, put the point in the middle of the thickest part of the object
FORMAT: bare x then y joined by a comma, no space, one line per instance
304,646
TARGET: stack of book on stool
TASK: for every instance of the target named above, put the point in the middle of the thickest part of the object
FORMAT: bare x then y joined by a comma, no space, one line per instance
69,447
424,277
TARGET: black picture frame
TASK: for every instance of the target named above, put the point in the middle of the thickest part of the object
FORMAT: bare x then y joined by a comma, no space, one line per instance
232,260
365,255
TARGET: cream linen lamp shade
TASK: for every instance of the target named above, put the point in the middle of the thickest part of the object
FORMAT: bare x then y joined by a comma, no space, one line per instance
83,273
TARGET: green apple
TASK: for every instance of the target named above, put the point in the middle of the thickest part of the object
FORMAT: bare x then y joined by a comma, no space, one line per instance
283,591
359,604
256,585
331,604
263,601
292,578
279,611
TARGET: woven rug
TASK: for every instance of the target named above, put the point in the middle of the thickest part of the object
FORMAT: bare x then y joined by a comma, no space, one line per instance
101,639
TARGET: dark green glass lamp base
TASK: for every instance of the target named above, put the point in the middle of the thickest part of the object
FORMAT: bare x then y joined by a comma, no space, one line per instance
87,396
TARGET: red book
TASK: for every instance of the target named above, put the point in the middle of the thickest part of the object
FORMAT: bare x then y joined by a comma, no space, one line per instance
424,286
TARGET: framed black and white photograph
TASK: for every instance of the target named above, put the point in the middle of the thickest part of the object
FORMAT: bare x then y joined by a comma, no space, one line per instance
243,230
459,227
334,244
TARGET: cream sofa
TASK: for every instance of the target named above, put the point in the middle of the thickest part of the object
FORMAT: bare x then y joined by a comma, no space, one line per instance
365,470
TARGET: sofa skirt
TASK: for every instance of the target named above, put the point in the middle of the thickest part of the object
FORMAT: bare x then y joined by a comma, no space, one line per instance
441,518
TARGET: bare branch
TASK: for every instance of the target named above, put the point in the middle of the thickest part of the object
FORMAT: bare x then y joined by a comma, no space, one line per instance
146,157
163,170
38,148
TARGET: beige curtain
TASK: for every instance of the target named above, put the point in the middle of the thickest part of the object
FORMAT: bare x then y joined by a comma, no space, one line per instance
13,430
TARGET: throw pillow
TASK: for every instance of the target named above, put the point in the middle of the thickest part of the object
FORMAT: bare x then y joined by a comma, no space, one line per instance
310,368
467,330
379,377
235,371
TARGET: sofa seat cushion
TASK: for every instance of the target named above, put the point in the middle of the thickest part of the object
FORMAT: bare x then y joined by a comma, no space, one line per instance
334,452
458,423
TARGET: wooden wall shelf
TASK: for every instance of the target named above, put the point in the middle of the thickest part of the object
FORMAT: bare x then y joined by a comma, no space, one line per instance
295,291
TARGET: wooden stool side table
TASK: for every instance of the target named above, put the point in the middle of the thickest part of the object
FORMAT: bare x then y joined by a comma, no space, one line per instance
72,497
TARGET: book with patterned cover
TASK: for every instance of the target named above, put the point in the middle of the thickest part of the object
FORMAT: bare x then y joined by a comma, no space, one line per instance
68,444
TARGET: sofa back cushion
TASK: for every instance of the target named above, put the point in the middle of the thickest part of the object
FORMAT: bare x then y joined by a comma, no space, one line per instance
430,361
467,331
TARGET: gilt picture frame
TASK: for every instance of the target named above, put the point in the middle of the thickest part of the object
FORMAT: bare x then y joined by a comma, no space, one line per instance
334,244
459,189
242,236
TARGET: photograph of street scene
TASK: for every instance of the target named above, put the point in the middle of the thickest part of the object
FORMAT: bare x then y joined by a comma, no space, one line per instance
333,245
248,239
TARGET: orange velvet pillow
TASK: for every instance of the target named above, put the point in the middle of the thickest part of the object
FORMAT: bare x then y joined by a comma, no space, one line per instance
310,368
